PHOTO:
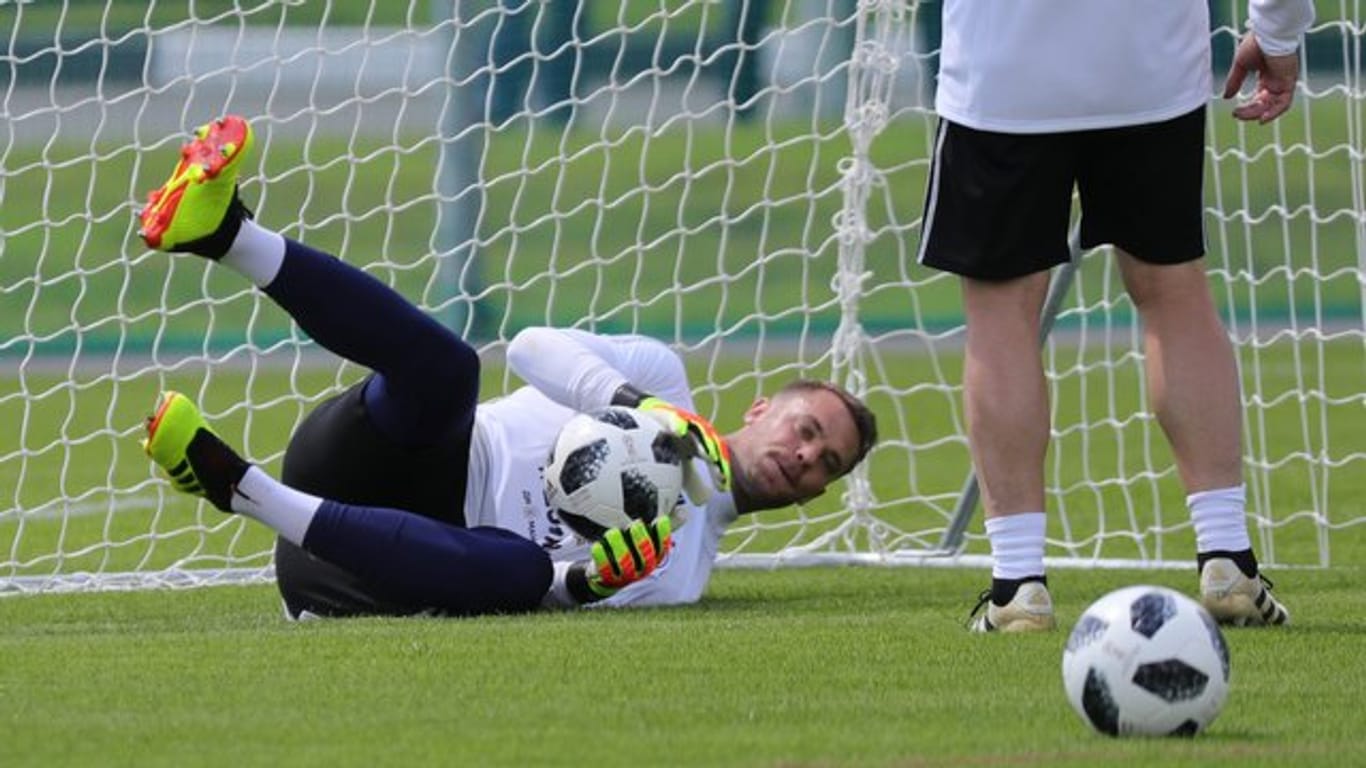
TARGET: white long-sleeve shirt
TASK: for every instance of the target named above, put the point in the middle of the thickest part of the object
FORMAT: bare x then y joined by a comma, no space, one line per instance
1045,66
569,371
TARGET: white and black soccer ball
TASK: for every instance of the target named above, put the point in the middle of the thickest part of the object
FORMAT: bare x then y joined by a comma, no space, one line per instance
1146,661
611,466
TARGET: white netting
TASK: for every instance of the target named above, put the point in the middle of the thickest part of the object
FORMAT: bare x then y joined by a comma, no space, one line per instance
742,179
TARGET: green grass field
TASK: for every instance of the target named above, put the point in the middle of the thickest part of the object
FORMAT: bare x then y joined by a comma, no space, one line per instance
817,667
821,667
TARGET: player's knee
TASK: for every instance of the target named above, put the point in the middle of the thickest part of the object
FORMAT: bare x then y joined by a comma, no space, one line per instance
523,571
1160,288
533,584
454,368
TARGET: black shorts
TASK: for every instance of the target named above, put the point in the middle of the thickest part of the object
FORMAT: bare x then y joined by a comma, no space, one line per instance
998,205
338,453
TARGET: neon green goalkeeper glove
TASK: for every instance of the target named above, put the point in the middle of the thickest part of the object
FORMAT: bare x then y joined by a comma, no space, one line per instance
700,440
623,556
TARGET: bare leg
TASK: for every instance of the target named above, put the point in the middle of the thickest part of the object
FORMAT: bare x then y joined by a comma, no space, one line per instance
1006,399
1193,380
1005,393
1191,371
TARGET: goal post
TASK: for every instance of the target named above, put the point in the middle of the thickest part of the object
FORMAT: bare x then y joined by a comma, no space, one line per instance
743,180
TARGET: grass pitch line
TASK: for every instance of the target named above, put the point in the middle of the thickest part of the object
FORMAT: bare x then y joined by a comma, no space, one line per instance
60,509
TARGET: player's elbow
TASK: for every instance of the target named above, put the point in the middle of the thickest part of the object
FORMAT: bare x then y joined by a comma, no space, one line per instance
529,345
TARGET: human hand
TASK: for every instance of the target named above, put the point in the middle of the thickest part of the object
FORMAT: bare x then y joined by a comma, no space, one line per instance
1276,78
701,440
623,556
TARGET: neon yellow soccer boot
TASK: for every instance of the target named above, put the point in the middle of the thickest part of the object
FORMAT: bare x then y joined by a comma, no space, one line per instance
192,456
197,209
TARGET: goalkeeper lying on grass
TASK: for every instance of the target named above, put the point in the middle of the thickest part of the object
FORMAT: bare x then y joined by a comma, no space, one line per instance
404,495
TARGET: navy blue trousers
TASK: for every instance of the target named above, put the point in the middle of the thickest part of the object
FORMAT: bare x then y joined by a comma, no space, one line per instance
390,456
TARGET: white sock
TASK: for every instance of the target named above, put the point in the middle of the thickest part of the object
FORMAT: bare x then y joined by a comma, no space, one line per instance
1220,519
264,499
1016,545
256,252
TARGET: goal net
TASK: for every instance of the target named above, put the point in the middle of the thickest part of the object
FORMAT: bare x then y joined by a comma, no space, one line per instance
741,179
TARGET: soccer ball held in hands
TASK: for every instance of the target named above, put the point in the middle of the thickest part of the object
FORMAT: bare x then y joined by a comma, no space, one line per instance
611,466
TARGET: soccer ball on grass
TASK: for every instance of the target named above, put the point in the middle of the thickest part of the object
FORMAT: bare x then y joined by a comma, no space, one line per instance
1146,661
611,466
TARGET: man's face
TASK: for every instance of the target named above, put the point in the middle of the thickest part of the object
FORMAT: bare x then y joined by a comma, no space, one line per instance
792,447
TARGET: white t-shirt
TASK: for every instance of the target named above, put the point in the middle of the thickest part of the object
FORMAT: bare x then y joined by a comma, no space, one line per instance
1045,66
572,371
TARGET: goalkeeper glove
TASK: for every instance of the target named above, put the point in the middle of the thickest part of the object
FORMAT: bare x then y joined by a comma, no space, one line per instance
700,439
623,556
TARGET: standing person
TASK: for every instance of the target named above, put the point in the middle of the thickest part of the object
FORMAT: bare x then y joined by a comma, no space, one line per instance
403,495
1036,97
